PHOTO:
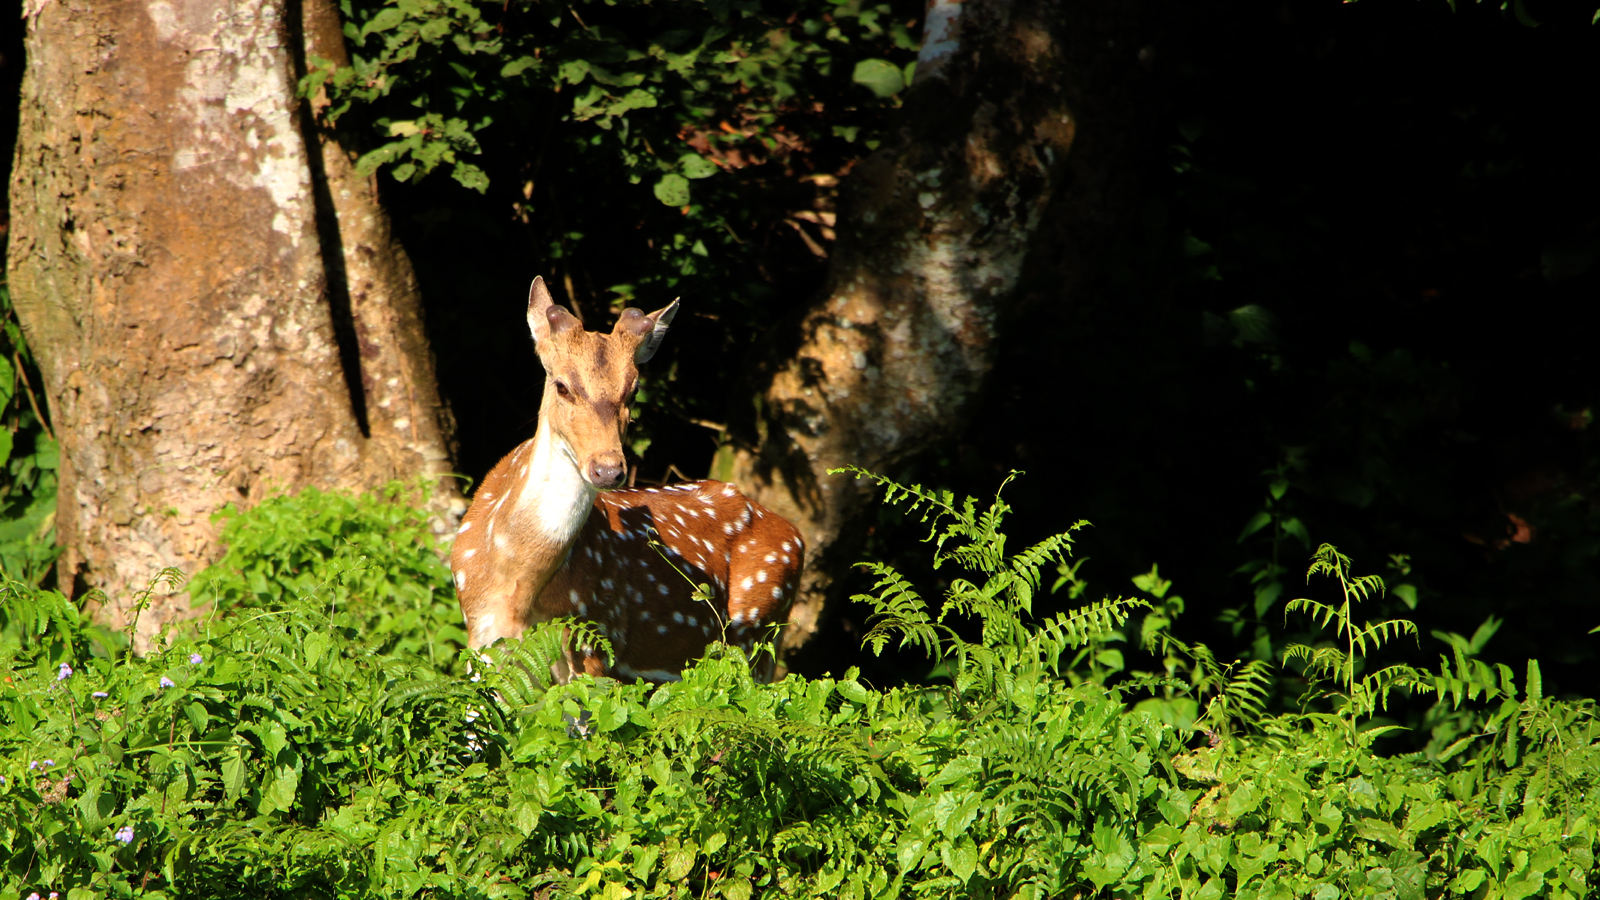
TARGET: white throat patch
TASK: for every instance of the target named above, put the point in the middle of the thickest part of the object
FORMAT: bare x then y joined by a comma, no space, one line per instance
554,495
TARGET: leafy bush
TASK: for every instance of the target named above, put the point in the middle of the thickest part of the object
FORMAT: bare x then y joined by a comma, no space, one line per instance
369,561
279,753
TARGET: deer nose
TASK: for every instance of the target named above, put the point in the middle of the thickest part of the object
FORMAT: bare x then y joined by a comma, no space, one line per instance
604,473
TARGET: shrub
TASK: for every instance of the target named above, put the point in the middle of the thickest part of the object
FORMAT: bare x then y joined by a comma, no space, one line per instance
282,752
369,560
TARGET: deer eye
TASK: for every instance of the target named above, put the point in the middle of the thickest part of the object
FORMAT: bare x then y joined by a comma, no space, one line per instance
561,388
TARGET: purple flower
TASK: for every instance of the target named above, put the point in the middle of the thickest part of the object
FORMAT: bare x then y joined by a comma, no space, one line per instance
2,781
34,896
33,764
125,834
167,682
54,895
48,762
196,659
64,672
99,695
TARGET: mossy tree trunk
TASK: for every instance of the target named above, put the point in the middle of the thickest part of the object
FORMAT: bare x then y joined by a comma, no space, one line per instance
214,296
934,232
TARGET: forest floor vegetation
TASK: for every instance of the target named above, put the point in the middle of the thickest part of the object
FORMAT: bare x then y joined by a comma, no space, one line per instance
322,732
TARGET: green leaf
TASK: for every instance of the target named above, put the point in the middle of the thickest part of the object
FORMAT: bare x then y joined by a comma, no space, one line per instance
880,76
233,772
573,71
525,815
1298,529
693,165
517,66
470,176
386,19
961,858
1257,522
47,454
278,789
673,190
6,439
611,714
1407,594
677,863
1267,596
8,377
197,716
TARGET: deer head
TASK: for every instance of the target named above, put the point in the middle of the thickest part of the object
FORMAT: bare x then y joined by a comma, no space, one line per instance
590,379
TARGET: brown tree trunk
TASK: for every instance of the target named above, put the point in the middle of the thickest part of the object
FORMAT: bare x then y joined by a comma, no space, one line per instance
216,302
933,233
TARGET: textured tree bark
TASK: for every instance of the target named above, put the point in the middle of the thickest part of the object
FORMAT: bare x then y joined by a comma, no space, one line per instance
934,230
184,263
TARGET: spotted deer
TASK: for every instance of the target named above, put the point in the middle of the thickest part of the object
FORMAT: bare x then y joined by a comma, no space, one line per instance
551,532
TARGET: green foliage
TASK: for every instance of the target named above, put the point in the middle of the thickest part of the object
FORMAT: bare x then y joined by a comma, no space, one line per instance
368,561
973,542
666,105
456,68
1361,696
283,752
28,460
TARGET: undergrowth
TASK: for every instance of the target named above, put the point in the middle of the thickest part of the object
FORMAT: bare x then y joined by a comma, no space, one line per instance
284,748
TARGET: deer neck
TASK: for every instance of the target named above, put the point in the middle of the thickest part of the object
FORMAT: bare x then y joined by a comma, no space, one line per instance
553,501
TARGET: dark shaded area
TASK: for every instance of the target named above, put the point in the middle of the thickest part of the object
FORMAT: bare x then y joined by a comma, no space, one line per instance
1350,248
1362,260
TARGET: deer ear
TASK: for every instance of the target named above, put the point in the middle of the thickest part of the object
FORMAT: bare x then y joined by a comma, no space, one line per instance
544,316
651,329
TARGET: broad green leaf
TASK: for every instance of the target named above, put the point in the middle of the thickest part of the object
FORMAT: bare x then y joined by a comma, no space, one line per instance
386,19
1257,522
1267,597
316,644
673,190
677,863
961,858
881,77
693,165
517,66
1298,529
233,773
470,176
197,716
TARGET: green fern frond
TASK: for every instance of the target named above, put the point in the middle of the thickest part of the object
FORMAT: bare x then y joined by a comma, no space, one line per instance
1373,636
1321,613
